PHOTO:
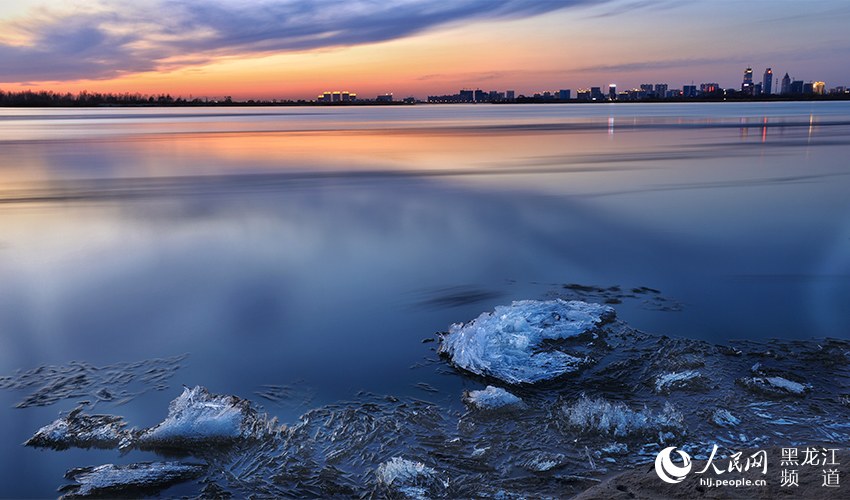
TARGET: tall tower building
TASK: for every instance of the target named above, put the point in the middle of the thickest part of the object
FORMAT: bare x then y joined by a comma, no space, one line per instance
767,81
612,92
786,85
747,87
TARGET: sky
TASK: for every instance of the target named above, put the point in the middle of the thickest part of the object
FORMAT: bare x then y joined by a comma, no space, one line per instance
291,49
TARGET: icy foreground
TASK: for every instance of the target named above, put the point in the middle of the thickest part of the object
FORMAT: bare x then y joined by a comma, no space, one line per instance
634,394
516,343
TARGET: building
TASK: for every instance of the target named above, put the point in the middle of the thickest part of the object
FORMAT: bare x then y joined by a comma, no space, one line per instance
819,88
711,88
747,87
612,92
689,91
797,87
596,94
466,95
583,95
336,96
510,95
564,94
785,89
767,82
661,90
385,97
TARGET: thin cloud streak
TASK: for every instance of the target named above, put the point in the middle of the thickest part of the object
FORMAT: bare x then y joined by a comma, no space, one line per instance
662,64
104,42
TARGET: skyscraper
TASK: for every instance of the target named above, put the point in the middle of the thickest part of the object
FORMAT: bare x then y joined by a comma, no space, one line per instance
747,85
767,81
612,92
786,85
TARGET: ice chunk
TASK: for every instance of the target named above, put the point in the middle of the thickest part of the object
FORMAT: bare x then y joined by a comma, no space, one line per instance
509,343
411,479
775,386
198,417
492,398
134,479
542,461
616,449
688,380
604,417
724,418
82,431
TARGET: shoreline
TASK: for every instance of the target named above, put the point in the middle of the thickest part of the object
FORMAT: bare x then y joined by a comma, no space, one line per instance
175,103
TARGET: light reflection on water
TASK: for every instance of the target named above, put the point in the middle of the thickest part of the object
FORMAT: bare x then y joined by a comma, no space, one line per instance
282,245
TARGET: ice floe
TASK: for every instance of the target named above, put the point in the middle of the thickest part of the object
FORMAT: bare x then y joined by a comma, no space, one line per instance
518,343
542,461
492,398
198,417
127,480
775,386
672,381
724,418
82,431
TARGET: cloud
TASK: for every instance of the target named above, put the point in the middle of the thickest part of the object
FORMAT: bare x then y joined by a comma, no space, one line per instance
657,64
630,6
104,41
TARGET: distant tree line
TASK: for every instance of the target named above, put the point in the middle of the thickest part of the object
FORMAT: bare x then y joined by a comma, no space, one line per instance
45,98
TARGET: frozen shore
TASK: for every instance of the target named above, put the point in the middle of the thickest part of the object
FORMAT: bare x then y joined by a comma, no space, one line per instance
538,424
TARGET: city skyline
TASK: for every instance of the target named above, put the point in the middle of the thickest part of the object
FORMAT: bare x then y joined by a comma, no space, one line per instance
278,49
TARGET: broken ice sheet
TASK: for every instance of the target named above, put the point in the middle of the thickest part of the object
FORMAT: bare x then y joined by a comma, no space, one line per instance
196,418
119,382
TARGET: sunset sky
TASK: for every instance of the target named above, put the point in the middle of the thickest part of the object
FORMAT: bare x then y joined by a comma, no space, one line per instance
297,49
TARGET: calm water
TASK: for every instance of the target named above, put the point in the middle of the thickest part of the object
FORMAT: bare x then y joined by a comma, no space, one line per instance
317,247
